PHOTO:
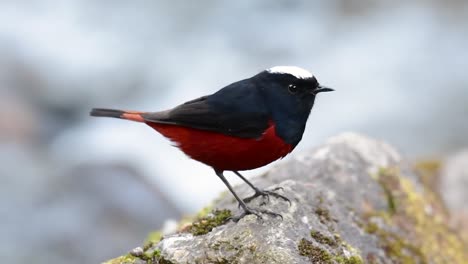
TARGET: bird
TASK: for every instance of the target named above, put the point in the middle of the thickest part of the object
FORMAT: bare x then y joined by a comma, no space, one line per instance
243,126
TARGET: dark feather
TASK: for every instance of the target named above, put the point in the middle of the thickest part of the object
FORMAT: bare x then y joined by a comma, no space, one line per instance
106,112
236,110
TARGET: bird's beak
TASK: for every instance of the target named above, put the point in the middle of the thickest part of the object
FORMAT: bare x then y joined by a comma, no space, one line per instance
321,89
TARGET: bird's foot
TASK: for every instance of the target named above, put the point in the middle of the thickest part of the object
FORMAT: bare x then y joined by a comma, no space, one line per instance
257,212
267,194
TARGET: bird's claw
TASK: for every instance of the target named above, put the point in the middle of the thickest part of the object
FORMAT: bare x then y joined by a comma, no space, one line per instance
267,194
256,212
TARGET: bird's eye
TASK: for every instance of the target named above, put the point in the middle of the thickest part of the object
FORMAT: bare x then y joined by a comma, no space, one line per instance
292,88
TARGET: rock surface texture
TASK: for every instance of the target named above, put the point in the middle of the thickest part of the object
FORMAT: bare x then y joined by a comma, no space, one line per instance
453,188
353,200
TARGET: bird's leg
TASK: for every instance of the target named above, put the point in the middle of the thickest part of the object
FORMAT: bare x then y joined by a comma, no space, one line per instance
263,193
245,209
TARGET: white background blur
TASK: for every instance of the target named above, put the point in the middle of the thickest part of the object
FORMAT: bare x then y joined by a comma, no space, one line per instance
75,189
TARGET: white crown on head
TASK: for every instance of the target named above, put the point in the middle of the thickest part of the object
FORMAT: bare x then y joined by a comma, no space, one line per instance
297,72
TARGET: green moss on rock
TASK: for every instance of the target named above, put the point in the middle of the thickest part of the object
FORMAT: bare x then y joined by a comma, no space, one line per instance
323,214
314,253
322,239
126,259
429,171
388,184
371,228
159,259
318,255
350,260
395,246
151,239
205,224
151,256
414,229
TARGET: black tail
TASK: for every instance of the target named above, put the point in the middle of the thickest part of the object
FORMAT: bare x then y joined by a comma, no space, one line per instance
106,112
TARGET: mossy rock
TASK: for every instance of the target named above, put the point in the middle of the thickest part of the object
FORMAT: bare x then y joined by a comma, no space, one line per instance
354,200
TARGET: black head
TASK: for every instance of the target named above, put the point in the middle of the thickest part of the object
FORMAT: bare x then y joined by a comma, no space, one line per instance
299,82
290,94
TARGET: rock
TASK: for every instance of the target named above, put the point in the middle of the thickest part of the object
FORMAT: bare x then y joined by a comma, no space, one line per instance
453,186
353,200
454,182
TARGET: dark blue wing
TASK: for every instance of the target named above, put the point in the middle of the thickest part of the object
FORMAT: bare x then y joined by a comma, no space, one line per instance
236,110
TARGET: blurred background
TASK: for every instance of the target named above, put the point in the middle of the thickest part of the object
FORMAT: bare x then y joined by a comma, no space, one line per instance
75,189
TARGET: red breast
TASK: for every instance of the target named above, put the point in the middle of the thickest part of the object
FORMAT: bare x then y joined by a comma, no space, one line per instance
224,152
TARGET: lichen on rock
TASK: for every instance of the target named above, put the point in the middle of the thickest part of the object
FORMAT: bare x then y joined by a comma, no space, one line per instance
415,227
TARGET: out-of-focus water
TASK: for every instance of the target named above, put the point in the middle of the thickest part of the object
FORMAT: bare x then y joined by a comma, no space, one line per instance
76,189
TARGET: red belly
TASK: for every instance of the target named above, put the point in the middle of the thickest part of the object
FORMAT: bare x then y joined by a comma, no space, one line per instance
224,152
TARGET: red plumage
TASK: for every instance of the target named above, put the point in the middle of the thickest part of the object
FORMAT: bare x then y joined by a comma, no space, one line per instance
221,152
224,152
